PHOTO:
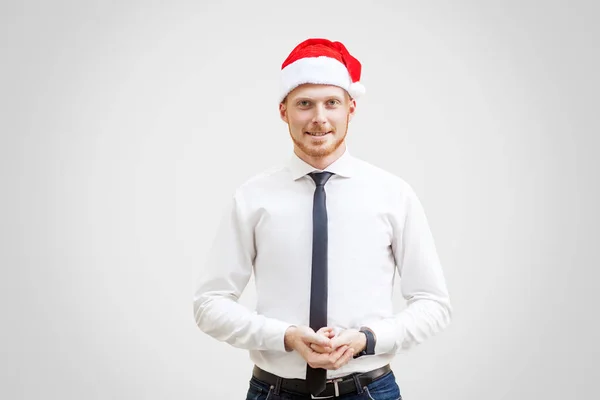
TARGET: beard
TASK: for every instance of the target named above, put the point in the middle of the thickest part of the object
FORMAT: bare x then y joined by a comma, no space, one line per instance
317,151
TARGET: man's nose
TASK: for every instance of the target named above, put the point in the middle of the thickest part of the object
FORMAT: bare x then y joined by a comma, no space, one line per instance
319,117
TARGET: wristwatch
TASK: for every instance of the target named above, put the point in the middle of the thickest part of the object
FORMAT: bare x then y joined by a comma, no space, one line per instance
370,347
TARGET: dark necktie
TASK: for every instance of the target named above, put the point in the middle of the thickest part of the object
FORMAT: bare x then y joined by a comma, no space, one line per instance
316,377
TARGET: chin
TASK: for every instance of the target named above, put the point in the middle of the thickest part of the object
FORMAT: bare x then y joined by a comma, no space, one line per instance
320,151
315,147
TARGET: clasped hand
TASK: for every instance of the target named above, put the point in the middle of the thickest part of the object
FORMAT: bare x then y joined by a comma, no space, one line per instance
325,349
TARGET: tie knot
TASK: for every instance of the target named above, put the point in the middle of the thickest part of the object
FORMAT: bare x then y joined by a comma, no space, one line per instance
320,178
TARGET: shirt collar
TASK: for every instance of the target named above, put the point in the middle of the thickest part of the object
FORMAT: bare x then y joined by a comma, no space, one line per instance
343,166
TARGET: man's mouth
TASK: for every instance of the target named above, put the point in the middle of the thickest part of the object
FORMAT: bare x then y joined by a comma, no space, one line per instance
316,134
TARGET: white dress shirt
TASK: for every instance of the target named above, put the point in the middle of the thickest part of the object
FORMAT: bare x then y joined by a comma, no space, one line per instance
376,226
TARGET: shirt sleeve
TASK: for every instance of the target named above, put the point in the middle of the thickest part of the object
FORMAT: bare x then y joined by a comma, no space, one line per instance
422,283
222,281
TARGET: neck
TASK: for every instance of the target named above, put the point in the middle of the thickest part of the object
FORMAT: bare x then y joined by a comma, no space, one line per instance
321,162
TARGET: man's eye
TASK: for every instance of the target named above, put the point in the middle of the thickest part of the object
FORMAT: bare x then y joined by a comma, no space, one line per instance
333,102
303,103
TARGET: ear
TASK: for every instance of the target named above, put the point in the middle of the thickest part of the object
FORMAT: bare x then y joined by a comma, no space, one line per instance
283,112
351,109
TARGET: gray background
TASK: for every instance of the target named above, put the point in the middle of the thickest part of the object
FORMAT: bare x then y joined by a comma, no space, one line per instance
125,127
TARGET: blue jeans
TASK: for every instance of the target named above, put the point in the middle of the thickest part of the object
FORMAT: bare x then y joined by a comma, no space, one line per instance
384,388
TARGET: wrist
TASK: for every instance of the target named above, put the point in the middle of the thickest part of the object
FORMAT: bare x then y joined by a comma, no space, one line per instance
369,343
362,342
288,338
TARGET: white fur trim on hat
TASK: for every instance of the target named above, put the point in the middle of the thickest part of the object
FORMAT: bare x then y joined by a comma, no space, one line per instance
356,90
318,70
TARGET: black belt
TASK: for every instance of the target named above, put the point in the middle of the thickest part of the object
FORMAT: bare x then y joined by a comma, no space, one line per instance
334,387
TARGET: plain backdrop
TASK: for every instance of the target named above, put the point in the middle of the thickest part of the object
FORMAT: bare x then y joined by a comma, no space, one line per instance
126,126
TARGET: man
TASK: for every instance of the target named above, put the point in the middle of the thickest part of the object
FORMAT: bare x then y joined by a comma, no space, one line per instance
324,236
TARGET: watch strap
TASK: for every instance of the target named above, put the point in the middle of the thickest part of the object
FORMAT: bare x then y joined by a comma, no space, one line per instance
369,349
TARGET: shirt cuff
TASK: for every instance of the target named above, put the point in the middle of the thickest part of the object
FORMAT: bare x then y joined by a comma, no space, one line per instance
275,337
386,335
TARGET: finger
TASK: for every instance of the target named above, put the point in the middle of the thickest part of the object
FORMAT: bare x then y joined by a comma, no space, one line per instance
337,354
325,360
340,341
315,338
325,330
320,349
305,351
331,359
345,358
318,360
304,344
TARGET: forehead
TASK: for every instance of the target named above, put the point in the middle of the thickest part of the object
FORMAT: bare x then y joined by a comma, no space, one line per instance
317,91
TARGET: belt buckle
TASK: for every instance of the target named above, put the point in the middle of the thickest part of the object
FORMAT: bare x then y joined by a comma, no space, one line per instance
335,388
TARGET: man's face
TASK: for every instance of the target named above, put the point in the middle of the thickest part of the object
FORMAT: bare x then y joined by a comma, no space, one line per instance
317,118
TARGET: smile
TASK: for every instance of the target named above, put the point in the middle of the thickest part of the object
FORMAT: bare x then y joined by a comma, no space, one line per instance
317,133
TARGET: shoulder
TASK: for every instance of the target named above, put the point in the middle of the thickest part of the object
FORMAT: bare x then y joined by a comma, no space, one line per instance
389,181
262,181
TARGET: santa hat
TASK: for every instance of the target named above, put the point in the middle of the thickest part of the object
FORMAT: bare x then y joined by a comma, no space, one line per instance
321,61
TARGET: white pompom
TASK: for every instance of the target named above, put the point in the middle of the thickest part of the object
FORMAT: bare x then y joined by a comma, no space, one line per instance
356,90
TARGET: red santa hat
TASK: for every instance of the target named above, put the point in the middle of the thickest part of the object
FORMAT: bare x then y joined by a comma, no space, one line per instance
321,61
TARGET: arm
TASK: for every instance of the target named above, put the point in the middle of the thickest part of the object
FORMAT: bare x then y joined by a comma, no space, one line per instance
229,267
422,284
